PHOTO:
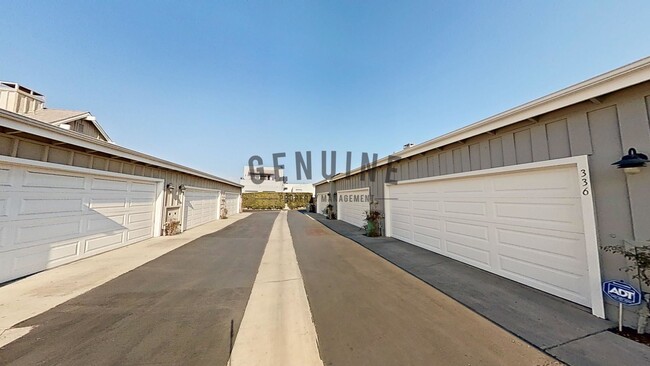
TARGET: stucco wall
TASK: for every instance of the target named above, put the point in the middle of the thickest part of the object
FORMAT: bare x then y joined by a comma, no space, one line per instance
602,129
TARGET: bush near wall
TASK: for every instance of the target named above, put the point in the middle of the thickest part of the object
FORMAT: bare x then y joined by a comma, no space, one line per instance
274,200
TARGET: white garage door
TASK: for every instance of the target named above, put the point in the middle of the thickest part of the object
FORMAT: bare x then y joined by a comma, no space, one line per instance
232,203
200,206
524,225
352,205
49,217
321,203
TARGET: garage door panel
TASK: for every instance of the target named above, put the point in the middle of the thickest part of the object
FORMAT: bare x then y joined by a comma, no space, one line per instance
33,206
100,204
565,284
465,208
34,259
423,223
403,234
523,225
137,234
100,184
467,253
469,242
404,210
143,187
140,217
430,241
543,260
104,242
97,223
557,182
462,187
4,207
5,176
469,230
42,231
542,242
426,206
141,201
560,215
426,232
50,180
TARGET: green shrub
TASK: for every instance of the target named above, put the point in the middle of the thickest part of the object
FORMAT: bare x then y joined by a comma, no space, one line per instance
274,200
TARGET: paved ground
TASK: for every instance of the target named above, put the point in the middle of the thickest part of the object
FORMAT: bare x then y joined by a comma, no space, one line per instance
277,328
369,312
174,310
563,329
303,280
35,294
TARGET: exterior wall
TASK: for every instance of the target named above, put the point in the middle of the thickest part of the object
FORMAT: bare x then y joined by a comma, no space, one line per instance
603,130
24,148
264,186
322,188
18,101
87,128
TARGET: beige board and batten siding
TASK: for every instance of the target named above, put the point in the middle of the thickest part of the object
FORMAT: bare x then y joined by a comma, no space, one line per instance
39,150
603,129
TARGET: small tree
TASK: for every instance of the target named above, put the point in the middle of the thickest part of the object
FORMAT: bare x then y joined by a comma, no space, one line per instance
639,256
373,220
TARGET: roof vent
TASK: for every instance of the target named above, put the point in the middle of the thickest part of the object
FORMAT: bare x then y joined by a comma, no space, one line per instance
407,145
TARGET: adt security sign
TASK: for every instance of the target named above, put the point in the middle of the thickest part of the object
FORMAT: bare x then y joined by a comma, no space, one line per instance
622,292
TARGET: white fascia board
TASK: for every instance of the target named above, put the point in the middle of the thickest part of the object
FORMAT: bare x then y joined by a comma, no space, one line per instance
69,119
28,125
100,129
623,77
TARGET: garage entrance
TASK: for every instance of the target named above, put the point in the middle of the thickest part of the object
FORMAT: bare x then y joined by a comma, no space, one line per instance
352,205
321,203
232,203
531,223
200,205
52,215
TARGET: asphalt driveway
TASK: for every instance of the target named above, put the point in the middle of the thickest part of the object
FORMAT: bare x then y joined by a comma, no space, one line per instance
174,310
369,312
177,309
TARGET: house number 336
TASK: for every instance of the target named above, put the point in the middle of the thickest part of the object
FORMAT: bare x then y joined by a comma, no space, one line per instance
585,182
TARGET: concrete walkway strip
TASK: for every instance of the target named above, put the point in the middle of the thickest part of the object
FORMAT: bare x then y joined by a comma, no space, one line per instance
33,295
277,328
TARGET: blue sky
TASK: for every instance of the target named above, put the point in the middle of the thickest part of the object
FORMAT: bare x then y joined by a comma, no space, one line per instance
208,84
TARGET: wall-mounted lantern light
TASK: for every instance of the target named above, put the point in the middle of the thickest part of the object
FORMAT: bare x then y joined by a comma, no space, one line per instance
182,188
632,162
170,187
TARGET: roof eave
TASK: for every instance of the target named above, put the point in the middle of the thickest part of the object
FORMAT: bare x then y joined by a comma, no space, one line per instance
35,127
620,78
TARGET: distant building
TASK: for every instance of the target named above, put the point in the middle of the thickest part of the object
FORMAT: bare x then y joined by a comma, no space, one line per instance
266,181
